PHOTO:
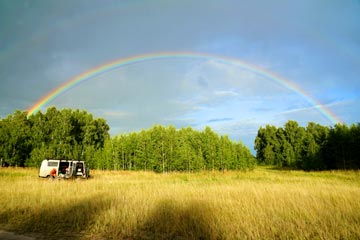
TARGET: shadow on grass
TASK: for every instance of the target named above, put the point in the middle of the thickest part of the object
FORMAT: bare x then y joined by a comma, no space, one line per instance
62,221
170,220
167,220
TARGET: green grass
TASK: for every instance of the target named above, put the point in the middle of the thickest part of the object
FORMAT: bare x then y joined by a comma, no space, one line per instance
261,204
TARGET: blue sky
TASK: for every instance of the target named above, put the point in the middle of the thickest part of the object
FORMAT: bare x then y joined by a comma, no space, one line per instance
313,44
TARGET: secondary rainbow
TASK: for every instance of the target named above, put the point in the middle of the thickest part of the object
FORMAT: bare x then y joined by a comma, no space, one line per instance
107,67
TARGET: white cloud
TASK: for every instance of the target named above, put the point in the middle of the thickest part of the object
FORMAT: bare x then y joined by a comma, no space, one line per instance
226,93
116,114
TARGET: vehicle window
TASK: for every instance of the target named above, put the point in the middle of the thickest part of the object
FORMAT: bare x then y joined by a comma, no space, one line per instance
52,164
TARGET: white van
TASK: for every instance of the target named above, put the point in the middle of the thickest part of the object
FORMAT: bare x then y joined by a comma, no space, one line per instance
63,169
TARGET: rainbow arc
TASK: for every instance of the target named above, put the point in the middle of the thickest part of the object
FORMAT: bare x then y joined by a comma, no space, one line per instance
109,66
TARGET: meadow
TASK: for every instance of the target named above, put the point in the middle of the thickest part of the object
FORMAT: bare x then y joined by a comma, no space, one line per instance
261,204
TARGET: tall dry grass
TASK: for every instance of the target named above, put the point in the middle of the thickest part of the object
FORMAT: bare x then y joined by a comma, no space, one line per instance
262,204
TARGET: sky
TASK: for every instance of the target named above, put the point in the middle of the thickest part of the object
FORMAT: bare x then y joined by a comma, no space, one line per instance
233,65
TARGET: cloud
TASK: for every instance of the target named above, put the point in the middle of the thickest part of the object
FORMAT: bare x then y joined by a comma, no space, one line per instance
313,112
202,82
310,108
116,114
226,93
219,120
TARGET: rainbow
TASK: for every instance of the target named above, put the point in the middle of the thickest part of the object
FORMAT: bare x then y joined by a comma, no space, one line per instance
107,67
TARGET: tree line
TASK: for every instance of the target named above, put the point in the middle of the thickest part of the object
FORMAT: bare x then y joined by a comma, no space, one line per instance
163,149
75,134
314,147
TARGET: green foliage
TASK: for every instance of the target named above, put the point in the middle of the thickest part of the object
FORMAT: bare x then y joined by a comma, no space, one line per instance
314,147
164,149
57,134
15,144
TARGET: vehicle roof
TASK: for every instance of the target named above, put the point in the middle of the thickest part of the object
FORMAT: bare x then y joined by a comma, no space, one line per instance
61,160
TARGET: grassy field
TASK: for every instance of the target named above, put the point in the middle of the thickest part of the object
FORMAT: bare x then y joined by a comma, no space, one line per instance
261,204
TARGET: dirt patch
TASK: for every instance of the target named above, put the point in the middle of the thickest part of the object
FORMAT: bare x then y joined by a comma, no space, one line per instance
12,236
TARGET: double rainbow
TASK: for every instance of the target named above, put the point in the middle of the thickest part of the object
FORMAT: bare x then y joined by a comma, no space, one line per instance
107,67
